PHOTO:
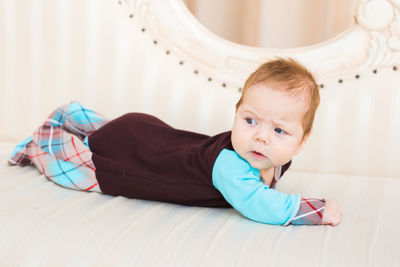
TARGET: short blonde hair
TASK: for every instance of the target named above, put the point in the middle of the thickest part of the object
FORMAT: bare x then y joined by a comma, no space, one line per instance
290,76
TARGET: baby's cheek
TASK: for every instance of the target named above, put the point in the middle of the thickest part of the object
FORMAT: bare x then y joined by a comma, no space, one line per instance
282,154
241,136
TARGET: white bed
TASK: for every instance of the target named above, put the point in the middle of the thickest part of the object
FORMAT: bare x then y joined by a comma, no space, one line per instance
153,56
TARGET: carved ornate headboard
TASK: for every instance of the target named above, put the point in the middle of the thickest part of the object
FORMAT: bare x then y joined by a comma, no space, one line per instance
154,56
372,42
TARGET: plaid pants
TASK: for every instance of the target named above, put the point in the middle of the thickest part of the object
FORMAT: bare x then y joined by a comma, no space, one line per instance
59,148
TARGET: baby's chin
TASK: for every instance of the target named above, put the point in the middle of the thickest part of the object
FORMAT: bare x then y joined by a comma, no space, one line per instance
257,164
260,165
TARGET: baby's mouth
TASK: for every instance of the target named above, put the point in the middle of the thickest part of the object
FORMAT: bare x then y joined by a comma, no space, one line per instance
258,155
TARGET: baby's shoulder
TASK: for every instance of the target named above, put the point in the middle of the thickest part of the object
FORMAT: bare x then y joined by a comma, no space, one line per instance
230,163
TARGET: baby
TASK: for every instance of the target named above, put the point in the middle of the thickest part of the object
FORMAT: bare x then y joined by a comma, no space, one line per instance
139,156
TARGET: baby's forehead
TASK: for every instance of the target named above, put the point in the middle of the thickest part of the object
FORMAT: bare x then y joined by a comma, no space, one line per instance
284,114
295,93
275,105
261,95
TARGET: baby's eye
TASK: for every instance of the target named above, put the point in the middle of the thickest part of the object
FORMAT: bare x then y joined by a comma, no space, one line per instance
279,131
251,121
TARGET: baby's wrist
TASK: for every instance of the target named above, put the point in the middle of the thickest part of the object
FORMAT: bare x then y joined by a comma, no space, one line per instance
311,212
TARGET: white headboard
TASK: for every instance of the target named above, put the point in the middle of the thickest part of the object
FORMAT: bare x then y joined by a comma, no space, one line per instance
154,56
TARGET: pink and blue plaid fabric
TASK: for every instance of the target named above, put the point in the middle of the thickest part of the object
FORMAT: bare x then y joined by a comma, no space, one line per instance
59,147
311,212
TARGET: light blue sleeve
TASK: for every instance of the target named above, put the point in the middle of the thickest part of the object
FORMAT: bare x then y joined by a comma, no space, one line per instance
241,186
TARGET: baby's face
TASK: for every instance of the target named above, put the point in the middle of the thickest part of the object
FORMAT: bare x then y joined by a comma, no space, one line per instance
267,130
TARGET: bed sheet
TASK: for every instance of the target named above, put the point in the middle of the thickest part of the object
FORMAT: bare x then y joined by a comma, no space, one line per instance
43,224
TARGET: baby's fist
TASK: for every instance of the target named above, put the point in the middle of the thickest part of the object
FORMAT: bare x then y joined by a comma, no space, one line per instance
332,213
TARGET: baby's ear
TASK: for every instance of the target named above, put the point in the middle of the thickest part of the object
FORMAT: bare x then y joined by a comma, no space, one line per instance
303,142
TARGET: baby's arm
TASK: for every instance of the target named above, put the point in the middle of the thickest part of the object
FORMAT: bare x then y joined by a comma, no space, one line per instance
310,212
317,211
241,186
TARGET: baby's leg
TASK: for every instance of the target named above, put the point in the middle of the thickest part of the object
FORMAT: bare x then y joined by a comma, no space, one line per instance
57,149
63,158
71,117
76,119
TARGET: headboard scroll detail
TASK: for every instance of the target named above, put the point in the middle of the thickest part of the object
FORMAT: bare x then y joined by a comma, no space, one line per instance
372,42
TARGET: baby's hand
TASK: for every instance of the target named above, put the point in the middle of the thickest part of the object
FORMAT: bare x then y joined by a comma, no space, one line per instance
332,213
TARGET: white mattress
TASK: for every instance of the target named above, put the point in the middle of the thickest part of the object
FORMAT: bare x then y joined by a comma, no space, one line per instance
42,224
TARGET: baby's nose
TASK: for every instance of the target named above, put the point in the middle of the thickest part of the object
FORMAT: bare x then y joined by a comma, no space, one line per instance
264,138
